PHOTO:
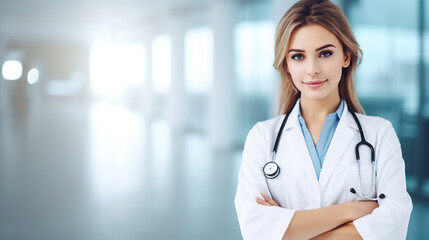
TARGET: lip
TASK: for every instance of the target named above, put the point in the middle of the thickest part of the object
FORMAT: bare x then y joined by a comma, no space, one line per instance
315,84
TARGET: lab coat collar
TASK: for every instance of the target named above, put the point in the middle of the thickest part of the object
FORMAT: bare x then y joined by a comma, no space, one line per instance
342,138
293,121
349,121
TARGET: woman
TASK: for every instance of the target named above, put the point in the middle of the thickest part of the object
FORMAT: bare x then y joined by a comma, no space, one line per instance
319,191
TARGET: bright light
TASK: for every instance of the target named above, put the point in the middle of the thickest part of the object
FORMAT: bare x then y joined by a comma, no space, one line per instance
12,70
254,43
161,63
115,167
33,76
198,59
116,69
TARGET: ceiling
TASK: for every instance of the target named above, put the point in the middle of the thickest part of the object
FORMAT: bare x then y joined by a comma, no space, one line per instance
82,20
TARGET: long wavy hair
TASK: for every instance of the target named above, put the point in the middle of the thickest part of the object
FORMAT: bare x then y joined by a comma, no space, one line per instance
329,16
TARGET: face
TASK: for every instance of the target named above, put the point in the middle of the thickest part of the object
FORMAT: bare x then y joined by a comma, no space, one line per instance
315,60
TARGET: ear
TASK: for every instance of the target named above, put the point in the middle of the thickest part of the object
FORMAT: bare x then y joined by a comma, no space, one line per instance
346,61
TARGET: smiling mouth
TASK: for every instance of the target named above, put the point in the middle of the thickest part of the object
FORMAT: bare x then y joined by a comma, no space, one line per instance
315,84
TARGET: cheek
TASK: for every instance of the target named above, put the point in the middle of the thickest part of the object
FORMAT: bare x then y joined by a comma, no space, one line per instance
296,71
297,78
335,70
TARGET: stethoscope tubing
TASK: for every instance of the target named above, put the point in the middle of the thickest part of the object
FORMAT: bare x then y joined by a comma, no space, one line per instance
274,173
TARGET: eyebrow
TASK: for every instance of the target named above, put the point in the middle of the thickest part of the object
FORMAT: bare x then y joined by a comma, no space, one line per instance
317,49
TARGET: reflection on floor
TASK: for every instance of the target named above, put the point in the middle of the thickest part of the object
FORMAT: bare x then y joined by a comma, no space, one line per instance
70,171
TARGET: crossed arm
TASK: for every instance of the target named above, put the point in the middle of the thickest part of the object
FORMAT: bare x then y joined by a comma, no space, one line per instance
333,222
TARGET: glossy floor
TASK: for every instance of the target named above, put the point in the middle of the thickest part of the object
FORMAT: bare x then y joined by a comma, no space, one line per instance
103,171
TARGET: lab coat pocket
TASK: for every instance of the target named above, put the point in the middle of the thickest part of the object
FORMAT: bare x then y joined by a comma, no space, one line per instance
361,179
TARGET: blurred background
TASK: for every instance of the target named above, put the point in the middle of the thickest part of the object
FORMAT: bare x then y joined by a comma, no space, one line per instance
126,119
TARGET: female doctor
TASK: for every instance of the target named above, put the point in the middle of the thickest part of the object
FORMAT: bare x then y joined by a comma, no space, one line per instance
322,169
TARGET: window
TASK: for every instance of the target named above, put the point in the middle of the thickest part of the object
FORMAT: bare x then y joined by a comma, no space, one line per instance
116,69
198,59
161,63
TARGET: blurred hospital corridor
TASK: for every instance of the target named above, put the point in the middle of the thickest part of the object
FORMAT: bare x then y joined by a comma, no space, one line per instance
73,171
127,120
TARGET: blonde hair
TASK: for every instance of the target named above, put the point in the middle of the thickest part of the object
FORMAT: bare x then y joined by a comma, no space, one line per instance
329,16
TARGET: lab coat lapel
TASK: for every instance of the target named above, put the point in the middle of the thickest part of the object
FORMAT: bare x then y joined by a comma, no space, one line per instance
294,133
339,144
303,155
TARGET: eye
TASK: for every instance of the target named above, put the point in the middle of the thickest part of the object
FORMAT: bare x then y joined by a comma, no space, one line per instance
297,57
325,54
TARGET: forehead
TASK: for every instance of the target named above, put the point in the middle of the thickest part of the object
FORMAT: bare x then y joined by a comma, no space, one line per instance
311,37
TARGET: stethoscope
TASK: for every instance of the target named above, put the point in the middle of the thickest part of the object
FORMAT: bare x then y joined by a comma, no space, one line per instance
272,170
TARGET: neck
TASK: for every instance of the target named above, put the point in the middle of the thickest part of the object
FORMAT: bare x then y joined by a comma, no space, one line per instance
318,109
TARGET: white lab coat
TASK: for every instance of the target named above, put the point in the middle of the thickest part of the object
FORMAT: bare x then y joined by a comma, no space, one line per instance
297,186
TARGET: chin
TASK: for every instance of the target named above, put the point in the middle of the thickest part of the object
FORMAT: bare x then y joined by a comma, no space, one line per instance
314,95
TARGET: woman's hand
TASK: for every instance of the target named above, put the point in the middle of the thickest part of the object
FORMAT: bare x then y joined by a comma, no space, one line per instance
267,201
362,208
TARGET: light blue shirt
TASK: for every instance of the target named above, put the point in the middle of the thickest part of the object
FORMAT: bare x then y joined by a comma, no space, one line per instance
318,153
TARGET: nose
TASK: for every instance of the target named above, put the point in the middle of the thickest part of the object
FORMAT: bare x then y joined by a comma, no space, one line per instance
312,68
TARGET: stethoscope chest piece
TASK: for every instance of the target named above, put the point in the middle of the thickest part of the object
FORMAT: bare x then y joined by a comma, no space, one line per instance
271,170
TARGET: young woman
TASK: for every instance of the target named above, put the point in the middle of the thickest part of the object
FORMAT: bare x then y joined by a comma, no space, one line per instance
322,169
